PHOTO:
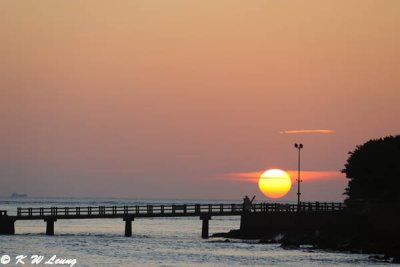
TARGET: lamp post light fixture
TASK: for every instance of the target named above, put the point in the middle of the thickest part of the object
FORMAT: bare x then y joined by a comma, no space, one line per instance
299,147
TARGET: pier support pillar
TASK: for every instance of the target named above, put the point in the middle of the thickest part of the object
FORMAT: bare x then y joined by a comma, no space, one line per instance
6,224
205,225
128,225
50,226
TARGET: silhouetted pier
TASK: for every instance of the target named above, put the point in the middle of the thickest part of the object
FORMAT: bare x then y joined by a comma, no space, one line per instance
128,213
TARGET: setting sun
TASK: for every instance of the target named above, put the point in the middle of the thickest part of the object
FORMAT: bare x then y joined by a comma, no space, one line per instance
274,183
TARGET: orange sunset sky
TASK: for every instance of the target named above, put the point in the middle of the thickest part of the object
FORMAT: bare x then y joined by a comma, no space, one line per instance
179,99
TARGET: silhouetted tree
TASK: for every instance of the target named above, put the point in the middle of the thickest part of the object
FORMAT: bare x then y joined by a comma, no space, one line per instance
374,170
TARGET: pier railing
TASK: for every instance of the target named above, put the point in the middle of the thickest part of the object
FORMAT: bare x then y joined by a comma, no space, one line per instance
174,210
303,207
137,210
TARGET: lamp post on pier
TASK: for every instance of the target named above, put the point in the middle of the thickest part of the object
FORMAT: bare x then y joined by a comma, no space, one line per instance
298,147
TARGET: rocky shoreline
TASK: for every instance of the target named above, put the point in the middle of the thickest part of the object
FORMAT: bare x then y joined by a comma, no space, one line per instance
382,249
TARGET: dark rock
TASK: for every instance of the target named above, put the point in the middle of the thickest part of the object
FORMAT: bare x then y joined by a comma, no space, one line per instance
396,260
230,234
220,235
290,244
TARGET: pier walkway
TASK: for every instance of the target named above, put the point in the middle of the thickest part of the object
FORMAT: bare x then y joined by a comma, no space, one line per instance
128,213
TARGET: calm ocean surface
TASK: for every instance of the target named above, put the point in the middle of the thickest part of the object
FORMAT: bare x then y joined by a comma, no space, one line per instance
155,242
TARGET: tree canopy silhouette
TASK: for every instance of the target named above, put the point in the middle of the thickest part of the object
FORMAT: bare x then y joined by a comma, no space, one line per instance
374,170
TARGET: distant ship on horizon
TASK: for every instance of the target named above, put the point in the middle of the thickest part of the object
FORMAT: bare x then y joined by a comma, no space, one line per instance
18,195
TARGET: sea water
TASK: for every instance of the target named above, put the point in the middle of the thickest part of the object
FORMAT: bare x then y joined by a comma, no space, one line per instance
154,242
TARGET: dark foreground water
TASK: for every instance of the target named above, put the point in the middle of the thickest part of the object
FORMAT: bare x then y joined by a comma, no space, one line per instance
155,242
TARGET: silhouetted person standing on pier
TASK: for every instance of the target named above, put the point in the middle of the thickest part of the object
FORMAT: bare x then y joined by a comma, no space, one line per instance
247,203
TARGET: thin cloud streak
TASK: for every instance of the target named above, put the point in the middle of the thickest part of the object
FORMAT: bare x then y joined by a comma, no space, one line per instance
253,177
320,131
